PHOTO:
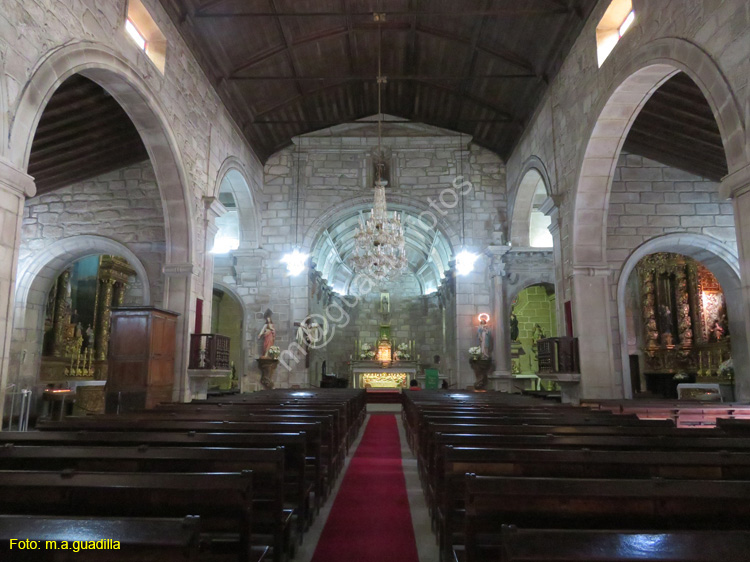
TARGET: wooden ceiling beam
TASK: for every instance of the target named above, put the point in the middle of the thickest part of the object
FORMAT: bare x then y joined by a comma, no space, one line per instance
84,138
68,154
50,183
682,162
495,13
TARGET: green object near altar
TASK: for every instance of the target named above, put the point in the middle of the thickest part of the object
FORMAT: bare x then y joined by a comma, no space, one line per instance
431,379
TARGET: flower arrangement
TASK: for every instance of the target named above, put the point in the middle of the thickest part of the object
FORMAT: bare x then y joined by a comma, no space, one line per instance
365,347
366,351
680,377
403,346
475,352
726,369
274,352
402,356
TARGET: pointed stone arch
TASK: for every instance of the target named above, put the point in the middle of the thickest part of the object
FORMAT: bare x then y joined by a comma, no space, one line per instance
532,174
234,176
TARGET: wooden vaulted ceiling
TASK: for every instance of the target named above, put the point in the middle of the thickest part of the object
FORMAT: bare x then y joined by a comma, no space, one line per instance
83,132
288,67
677,127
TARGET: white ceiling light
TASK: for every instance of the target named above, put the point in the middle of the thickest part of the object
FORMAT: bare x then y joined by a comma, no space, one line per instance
295,262
465,262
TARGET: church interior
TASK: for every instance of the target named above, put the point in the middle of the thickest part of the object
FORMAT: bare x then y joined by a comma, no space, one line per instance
419,280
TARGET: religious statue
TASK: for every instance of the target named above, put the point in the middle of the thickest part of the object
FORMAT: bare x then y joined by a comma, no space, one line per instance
385,303
513,327
484,335
268,333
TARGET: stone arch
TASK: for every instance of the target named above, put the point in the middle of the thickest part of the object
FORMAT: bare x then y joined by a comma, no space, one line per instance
649,68
724,264
36,276
243,368
113,73
532,173
395,202
234,176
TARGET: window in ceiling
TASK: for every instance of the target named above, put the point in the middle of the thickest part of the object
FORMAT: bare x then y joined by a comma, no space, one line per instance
142,29
618,18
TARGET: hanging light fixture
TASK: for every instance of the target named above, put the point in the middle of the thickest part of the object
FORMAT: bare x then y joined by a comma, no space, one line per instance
379,245
296,260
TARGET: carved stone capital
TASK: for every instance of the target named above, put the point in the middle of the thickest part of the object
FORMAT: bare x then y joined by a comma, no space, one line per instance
15,181
735,184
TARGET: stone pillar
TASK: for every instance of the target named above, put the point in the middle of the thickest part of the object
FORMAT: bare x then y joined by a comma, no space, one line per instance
737,187
178,297
15,187
552,210
501,377
214,209
590,287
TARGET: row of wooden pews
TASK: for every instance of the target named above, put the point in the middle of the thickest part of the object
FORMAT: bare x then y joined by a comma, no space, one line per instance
239,478
514,478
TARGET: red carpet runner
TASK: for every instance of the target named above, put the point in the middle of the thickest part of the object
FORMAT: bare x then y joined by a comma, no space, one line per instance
370,519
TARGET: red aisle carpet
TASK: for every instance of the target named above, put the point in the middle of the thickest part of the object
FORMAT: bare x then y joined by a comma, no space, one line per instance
370,519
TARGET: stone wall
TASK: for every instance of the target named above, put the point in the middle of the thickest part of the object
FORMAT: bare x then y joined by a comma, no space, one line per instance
651,199
709,41
335,181
123,205
534,306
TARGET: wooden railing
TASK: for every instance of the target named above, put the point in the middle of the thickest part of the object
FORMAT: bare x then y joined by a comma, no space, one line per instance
209,351
558,355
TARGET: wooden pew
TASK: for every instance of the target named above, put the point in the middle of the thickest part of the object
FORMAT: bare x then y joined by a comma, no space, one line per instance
564,545
222,500
312,430
141,539
568,503
267,465
549,463
295,445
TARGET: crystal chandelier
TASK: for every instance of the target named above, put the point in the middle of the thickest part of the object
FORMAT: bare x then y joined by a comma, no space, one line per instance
379,246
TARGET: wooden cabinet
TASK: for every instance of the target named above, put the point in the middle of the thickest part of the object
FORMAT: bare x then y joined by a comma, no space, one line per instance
141,358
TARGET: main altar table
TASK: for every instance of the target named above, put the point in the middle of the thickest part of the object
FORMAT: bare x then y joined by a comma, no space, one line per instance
377,375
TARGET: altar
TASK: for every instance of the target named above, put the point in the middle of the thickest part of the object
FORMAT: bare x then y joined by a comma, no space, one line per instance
377,375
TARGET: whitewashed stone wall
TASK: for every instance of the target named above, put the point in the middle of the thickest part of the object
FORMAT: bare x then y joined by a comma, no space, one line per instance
123,205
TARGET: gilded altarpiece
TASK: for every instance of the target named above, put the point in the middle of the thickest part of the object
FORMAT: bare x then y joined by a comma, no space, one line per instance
77,324
685,327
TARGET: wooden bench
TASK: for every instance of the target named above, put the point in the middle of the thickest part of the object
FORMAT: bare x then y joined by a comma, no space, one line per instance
272,521
564,545
567,503
141,539
222,500
298,488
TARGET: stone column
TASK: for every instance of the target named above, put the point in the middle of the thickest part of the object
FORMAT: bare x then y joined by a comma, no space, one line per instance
214,209
592,325
737,186
501,377
178,292
15,187
552,210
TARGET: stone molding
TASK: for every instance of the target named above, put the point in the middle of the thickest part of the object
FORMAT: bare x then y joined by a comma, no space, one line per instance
179,269
735,184
14,180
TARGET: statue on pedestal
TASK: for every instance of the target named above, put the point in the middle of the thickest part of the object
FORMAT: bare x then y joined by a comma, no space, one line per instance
484,336
268,333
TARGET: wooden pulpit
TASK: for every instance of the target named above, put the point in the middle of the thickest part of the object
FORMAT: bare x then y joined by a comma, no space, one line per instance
141,358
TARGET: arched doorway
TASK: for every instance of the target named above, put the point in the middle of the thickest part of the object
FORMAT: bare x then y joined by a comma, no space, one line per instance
39,284
131,92
533,316
592,257
701,255
228,319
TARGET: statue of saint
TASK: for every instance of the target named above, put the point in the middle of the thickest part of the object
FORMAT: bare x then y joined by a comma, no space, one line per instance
484,334
513,327
268,333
